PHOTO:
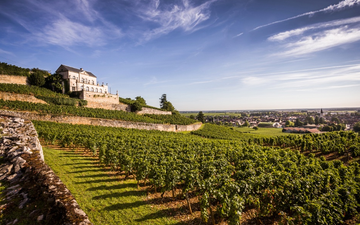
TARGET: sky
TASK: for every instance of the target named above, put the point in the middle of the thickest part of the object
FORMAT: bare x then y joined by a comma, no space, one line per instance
203,54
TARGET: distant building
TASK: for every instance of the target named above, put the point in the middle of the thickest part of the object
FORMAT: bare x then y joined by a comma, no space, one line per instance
321,113
80,79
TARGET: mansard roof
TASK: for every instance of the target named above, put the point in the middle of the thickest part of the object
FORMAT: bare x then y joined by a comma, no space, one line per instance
69,68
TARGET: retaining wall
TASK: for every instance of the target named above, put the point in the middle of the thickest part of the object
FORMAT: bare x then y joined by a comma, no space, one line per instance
10,79
31,181
20,97
101,122
145,110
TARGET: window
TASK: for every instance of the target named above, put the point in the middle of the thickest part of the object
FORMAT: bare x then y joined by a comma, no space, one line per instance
100,90
73,88
82,80
82,87
93,82
96,90
87,88
92,89
73,77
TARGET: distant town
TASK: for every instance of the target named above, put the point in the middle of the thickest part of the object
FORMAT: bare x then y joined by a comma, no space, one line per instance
304,120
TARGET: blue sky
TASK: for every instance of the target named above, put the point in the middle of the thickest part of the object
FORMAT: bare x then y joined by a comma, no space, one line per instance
204,54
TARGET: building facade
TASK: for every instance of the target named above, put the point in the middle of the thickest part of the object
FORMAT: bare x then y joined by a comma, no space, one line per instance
81,80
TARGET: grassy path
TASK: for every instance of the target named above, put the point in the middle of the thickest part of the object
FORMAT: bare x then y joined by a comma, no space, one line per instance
103,196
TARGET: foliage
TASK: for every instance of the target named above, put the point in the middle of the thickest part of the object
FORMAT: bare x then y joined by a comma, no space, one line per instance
37,79
43,94
55,83
172,119
226,176
200,117
165,104
136,106
218,132
357,127
246,124
9,69
91,112
107,194
298,123
289,123
140,100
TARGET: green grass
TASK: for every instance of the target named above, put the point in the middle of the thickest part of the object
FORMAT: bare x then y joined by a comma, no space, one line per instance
213,114
263,131
104,197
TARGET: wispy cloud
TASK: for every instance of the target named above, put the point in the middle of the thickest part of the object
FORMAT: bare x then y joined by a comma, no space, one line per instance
341,5
82,25
317,78
6,52
287,34
321,41
168,17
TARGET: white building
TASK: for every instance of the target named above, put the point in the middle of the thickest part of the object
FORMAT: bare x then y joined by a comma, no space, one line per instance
80,79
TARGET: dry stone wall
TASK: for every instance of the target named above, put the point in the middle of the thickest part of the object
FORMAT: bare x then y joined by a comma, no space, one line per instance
101,122
20,97
31,180
145,110
10,79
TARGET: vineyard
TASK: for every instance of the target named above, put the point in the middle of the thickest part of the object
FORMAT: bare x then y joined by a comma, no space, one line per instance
94,113
43,94
229,177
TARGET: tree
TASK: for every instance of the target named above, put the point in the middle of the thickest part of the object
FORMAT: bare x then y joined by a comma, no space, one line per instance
335,119
140,100
192,117
166,105
309,120
37,79
289,124
322,120
246,124
200,117
298,123
317,120
54,83
163,101
357,127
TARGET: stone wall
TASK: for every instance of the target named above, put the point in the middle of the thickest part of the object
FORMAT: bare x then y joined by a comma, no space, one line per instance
101,122
20,97
99,97
9,79
146,110
118,106
31,181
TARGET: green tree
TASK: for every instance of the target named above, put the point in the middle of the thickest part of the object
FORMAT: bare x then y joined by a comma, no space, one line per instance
317,120
322,120
289,124
166,105
246,124
54,83
298,123
310,120
357,127
200,117
335,119
192,117
37,79
140,100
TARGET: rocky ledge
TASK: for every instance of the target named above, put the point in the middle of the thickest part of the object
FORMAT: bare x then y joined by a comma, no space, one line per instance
32,188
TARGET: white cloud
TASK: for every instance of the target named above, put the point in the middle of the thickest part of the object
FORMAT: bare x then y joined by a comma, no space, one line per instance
170,17
64,32
284,35
6,52
321,41
341,5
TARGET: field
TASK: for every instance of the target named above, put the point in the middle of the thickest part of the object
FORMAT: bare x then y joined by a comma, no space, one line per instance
268,176
104,195
263,131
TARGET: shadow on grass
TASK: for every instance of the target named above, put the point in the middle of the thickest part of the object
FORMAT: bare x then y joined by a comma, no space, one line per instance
113,187
98,181
121,194
89,171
